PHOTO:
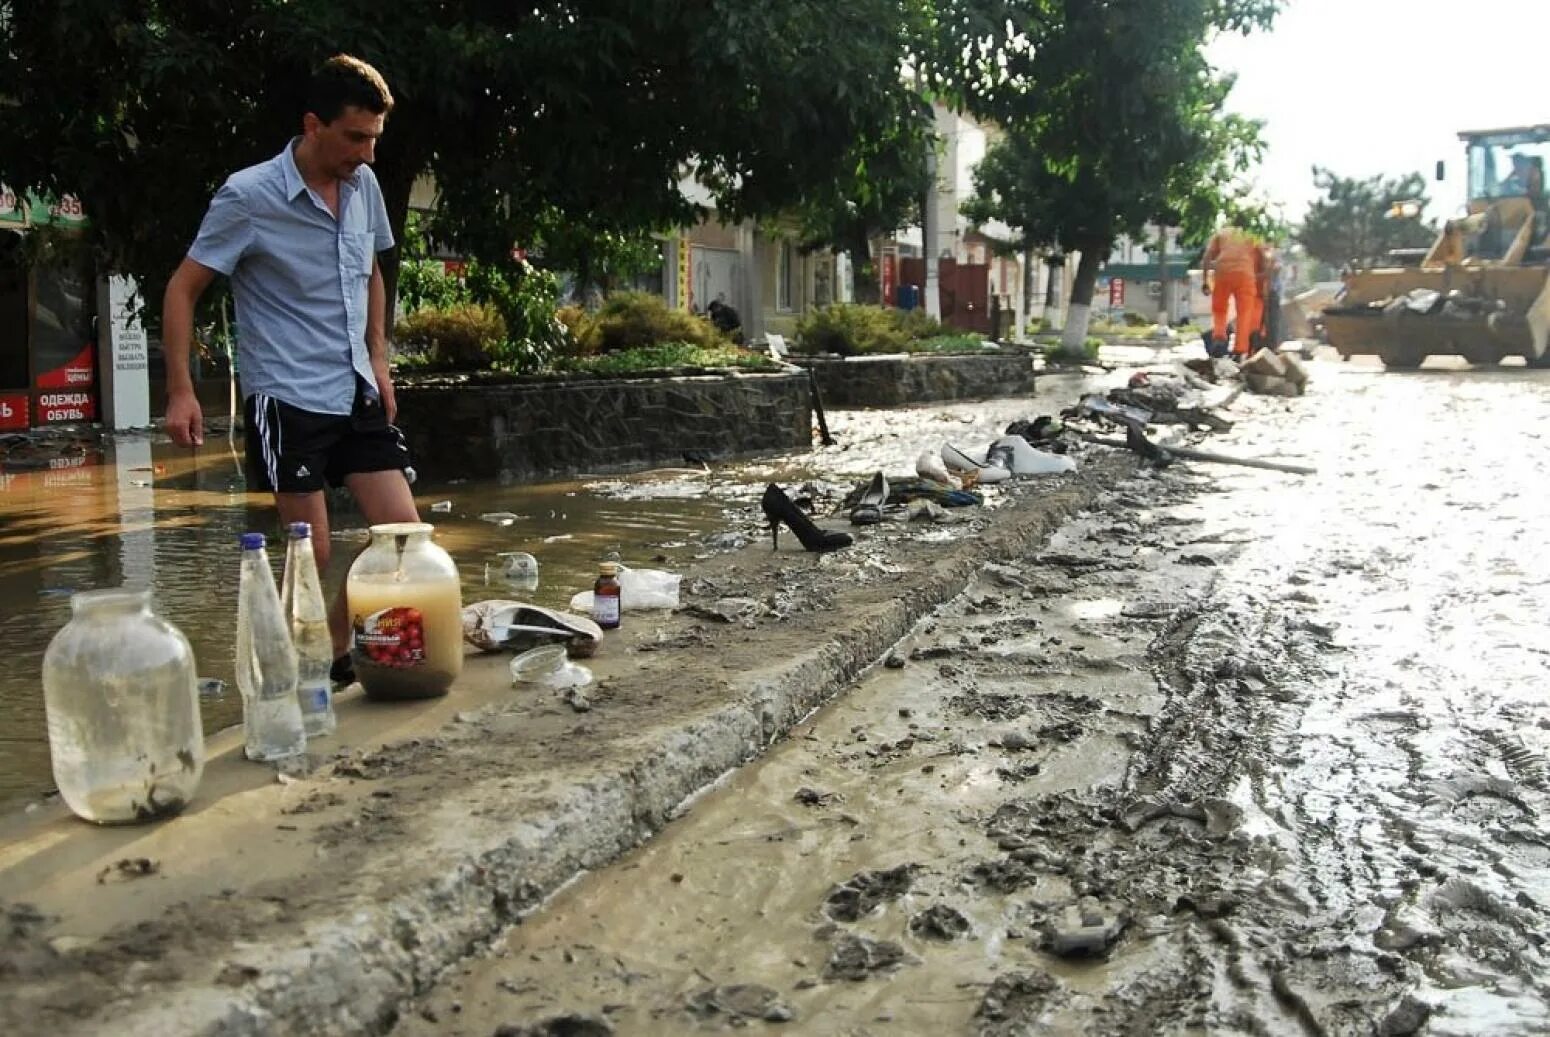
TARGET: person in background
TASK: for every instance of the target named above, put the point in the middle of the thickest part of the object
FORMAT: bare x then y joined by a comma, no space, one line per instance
725,318
298,236
1237,262
1271,284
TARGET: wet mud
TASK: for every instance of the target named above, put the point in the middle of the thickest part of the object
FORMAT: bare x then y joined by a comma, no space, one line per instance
1235,753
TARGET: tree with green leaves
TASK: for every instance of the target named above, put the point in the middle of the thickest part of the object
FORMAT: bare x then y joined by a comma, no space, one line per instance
530,117
1357,221
1113,119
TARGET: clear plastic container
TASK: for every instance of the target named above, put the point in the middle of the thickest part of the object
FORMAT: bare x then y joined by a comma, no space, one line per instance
301,598
549,666
265,661
406,614
123,710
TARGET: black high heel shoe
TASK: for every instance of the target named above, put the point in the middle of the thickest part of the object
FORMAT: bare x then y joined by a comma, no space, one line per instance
869,509
778,508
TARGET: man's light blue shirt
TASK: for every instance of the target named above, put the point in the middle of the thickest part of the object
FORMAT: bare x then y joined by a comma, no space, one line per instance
300,279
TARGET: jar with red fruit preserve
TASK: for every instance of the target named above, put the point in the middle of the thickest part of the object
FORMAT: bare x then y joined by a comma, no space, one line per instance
406,614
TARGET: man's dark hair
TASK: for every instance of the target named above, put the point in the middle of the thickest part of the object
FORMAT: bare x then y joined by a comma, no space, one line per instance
343,81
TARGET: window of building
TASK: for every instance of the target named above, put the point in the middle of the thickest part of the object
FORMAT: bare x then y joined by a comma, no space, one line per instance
785,277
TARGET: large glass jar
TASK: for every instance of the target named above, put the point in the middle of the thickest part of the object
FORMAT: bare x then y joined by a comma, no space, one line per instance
406,614
123,710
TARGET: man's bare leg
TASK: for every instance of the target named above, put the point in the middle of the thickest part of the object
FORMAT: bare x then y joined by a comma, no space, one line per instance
312,508
382,497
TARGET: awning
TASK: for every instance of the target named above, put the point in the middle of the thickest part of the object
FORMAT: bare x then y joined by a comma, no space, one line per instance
19,212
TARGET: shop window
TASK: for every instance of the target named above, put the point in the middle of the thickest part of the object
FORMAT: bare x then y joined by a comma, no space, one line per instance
14,372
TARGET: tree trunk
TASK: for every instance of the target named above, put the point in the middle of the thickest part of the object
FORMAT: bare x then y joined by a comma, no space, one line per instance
396,181
1077,318
932,289
863,270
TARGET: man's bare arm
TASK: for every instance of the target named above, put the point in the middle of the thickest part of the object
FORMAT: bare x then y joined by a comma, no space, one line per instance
185,421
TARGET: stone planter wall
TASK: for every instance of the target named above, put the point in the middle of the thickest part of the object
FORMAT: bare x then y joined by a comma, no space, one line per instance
529,431
891,381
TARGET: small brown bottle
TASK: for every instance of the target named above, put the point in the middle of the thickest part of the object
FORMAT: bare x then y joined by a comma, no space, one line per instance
605,596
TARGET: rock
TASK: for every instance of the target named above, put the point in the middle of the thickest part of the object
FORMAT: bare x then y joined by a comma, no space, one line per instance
895,661
810,797
855,958
569,1025
865,891
1406,1018
940,922
740,1001
1014,1003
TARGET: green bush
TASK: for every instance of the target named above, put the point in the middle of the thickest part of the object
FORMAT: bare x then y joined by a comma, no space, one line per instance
953,342
464,337
632,320
664,355
917,323
1138,320
849,328
527,299
425,283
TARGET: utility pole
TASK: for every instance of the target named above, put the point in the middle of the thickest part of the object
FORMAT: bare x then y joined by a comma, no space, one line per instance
1165,317
928,226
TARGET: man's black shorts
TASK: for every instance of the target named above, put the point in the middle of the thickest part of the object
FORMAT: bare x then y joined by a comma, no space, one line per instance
290,450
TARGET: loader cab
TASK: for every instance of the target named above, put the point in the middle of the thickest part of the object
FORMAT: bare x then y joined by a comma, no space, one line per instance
1513,163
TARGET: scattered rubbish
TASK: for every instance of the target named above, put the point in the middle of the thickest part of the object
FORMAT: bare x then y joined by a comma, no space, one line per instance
557,538
549,667
1188,454
924,510
568,1025
576,700
515,568
810,797
864,892
1018,456
605,596
638,589
728,610
496,625
211,688
929,466
140,484
740,1001
1269,373
1082,930
500,518
726,542
442,507
128,868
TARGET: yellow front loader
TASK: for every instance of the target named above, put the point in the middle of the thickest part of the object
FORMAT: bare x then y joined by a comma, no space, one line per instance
1482,291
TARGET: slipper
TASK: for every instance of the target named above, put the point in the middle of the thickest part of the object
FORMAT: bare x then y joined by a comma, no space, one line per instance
959,461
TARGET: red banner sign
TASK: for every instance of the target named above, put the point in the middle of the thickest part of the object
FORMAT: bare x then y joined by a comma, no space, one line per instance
1117,293
15,412
890,276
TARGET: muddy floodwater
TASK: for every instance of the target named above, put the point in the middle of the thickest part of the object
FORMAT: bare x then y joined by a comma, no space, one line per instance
141,511
1237,752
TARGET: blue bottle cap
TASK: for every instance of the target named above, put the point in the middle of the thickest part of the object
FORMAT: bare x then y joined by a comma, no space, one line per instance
299,530
252,541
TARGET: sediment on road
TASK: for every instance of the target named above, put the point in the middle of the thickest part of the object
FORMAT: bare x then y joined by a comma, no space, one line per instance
322,903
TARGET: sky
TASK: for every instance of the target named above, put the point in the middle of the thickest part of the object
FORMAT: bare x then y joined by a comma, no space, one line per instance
1384,86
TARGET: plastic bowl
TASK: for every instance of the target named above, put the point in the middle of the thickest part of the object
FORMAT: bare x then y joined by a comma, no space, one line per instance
547,666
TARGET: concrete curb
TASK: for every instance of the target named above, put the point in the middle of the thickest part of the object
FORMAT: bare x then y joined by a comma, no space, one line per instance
352,970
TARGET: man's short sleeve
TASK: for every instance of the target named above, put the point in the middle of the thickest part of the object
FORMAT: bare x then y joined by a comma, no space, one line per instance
226,233
379,220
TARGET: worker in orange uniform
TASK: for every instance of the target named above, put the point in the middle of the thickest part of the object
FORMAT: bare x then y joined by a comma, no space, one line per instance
1238,261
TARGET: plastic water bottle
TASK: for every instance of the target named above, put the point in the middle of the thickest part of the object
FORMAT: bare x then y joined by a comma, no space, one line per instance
266,662
301,599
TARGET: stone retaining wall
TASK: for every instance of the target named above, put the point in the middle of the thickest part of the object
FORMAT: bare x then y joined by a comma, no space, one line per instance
891,381
527,431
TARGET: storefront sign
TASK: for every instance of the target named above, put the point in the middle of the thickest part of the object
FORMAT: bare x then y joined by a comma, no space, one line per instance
685,281
15,412
1117,293
126,388
54,407
889,269
12,212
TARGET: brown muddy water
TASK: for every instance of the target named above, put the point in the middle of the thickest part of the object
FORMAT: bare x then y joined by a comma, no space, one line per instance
1236,753
142,511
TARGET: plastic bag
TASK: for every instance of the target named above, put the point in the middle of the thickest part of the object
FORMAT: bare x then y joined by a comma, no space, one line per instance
638,589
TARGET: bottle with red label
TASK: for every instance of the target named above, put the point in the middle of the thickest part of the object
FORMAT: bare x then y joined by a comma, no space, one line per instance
406,614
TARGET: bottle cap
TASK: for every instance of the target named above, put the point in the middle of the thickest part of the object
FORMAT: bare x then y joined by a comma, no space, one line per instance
609,568
300,530
252,541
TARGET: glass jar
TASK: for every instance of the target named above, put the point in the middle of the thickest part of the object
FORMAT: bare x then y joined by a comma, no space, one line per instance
123,710
406,614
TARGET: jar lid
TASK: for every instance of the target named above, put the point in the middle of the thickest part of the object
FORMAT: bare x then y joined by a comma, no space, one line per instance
608,568
401,529
299,530
251,541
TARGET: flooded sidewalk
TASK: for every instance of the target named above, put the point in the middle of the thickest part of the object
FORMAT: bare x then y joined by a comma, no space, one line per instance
438,823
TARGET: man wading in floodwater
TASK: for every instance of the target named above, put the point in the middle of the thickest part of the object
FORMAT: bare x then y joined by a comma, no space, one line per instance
299,235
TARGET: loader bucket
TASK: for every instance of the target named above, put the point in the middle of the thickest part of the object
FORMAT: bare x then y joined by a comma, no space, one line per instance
1481,313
